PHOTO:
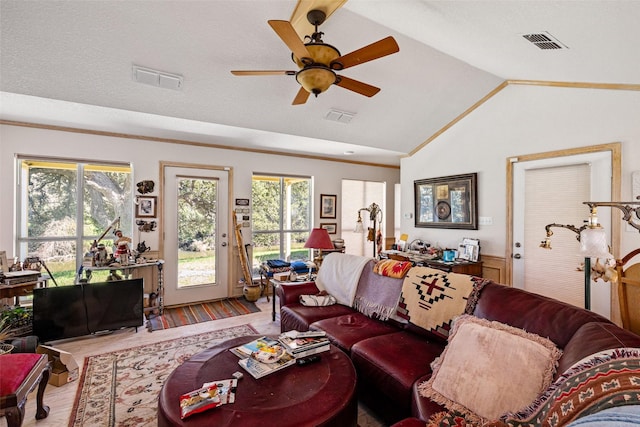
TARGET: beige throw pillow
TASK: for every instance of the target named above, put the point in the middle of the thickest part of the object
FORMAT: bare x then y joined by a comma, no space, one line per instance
489,368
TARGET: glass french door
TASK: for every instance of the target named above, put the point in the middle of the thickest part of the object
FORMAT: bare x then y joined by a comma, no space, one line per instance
195,234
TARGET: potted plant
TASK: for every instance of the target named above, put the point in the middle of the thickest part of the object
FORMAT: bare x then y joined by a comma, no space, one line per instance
5,333
18,320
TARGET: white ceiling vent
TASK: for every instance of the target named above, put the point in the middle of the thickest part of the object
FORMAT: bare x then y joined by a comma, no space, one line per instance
545,41
157,78
339,116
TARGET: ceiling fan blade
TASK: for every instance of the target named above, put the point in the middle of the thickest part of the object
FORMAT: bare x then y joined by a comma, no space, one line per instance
299,19
262,73
376,50
289,36
357,86
301,97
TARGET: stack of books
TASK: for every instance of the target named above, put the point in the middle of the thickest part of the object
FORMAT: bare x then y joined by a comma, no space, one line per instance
265,355
302,344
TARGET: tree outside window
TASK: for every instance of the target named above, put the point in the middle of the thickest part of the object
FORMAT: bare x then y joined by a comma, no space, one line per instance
281,214
63,206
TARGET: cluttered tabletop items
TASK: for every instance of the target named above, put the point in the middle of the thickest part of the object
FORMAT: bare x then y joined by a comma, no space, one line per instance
419,251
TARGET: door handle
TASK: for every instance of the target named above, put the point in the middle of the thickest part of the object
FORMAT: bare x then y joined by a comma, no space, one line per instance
517,256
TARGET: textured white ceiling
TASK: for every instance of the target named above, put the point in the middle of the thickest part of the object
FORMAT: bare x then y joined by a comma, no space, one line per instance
70,63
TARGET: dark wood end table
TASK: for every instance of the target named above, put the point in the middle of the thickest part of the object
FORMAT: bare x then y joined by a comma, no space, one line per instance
274,285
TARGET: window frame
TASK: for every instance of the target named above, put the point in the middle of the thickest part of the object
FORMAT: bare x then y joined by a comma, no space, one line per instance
281,231
23,163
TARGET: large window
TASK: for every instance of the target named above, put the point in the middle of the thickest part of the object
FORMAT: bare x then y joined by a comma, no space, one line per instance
356,195
63,206
281,217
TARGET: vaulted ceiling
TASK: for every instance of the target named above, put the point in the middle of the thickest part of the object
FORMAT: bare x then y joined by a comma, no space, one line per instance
69,63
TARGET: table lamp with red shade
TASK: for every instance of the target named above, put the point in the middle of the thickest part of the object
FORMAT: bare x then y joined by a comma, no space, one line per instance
319,239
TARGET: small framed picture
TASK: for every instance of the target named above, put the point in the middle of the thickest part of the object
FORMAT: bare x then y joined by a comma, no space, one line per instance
146,207
328,205
331,227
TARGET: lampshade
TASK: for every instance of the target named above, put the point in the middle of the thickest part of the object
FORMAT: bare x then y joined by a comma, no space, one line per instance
359,228
593,243
319,239
316,79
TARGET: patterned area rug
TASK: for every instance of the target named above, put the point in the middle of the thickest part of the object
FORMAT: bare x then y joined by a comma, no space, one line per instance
197,313
121,388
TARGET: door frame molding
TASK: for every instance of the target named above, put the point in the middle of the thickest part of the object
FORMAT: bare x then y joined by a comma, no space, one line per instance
616,178
160,206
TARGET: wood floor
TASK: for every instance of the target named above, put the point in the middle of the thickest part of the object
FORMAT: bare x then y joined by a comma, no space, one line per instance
60,399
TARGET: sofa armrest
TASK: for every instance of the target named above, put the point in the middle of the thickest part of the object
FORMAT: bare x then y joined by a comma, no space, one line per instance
289,293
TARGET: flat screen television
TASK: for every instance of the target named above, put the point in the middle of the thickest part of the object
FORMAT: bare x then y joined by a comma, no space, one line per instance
71,311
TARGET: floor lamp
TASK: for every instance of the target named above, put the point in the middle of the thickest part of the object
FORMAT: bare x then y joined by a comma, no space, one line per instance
375,215
593,239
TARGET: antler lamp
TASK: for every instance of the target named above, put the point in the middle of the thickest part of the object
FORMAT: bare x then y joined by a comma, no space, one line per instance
593,239
375,216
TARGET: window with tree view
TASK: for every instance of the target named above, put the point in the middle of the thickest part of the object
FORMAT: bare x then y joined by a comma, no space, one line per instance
64,206
281,212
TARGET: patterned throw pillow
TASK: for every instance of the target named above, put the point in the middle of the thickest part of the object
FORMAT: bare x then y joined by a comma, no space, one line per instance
392,268
489,368
600,381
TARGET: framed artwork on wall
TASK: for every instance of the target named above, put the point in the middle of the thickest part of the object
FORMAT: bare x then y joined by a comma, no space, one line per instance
328,205
331,227
146,206
447,202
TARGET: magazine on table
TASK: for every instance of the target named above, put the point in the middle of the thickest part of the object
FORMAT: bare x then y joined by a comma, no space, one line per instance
246,350
260,368
298,343
309,352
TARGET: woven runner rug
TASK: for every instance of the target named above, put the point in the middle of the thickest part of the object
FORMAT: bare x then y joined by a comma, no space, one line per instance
121,388
197,313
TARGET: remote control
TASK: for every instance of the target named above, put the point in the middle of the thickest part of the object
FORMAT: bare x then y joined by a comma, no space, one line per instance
304,361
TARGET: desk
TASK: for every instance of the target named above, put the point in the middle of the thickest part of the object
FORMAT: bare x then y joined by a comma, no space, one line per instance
320,394
128,269
22,289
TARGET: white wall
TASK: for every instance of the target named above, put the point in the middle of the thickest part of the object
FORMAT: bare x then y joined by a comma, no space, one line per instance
146,156
523,120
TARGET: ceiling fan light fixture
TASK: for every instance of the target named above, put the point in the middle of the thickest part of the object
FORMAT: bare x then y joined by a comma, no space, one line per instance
321,53
316,79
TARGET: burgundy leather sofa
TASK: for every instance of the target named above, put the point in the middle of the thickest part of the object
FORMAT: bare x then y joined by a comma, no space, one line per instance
393,358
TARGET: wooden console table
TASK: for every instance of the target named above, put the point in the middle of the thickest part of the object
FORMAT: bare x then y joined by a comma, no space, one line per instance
472,268
128,270
22,289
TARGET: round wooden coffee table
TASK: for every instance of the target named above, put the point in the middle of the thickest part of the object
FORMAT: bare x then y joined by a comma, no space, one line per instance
319,394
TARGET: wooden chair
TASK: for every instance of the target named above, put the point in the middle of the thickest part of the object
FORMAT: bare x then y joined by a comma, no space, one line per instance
629,292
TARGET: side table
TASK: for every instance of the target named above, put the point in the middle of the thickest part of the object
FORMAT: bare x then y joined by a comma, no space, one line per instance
320,394
274,285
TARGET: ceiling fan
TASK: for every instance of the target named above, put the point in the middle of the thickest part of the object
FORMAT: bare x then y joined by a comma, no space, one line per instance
318,61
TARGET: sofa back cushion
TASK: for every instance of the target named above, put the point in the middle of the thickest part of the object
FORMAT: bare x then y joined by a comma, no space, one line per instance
377,295
532,312
595,337
432,298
